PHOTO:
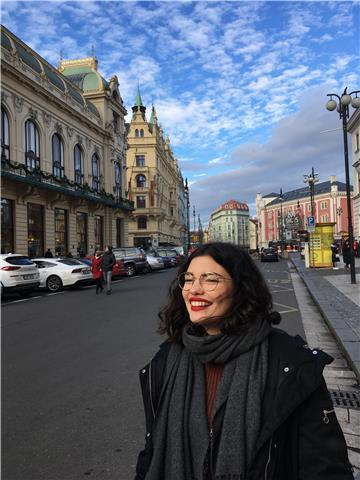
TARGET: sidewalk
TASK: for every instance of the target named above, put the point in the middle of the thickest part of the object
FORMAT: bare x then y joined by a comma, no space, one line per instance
339,303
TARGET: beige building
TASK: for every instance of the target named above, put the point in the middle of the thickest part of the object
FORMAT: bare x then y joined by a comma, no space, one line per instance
230,223
354,130
62,155
253,234
154,183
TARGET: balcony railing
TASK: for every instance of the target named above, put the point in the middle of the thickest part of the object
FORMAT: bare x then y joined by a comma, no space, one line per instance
37,177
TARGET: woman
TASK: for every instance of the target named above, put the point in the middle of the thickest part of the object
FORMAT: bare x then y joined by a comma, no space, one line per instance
229,397
97,272
334,255
346,250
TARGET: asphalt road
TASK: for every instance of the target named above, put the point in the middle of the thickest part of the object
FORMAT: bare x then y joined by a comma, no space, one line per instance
71,402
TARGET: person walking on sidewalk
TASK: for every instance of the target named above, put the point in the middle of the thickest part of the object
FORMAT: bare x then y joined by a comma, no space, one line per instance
96,269
107,266
335,255
228,395
346,251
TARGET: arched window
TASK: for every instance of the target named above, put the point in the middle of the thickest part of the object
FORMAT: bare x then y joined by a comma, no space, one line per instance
136,133
117,186
5,135
140,181
95,170
32,145
57,156
142,223
141,133
78,164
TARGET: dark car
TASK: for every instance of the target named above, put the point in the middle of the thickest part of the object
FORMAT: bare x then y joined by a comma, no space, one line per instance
170,253
269,255
133,258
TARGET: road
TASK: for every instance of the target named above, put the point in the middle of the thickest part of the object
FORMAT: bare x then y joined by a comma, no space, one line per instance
71,402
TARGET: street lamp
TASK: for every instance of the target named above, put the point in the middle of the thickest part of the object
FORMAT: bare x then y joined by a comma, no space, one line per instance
281,219
343,108
311,180
339,211
186,190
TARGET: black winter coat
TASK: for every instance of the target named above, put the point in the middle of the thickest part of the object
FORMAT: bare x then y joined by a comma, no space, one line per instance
300,437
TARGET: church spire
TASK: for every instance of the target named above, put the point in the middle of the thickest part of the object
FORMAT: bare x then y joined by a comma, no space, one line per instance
138,107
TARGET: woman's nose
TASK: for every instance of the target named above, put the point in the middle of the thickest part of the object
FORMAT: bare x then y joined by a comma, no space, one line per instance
196,287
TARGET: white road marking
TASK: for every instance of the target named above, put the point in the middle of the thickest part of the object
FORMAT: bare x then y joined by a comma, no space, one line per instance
290,309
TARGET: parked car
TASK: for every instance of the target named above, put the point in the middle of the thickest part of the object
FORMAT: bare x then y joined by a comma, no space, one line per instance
167,261
155,263
133,258
18,274
56,273
171,253
269,255
118,268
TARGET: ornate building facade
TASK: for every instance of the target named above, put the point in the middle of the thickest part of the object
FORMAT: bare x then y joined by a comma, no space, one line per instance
354,130
155,183
281,218
230,223
62,155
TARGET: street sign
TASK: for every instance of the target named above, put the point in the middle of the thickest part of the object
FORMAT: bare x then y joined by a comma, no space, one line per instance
311,221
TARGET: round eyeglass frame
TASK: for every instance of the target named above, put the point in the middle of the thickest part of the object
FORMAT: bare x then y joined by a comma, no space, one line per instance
201,280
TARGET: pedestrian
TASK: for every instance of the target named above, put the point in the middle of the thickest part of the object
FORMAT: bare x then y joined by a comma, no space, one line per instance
69,255
97,272
107,266
335,255
48,253
346,250
228,395
355,247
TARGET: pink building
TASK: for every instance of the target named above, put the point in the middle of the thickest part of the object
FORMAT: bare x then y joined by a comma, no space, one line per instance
295,207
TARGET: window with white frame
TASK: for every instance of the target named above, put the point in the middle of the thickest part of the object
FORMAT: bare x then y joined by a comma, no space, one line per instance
323,205
32,145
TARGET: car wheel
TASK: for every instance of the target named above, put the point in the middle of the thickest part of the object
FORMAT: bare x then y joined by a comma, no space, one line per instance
54,283
130,270
147,269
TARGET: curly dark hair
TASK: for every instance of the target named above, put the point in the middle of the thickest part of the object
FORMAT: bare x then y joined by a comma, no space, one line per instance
251,296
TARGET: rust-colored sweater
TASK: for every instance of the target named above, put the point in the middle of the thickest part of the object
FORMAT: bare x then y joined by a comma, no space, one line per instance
213,373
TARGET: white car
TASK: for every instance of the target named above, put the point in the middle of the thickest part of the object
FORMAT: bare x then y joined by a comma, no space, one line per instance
155,263
56,273
18,273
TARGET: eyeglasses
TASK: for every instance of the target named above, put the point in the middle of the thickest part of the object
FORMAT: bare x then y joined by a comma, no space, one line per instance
208,281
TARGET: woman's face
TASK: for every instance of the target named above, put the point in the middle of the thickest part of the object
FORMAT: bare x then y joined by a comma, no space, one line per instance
202,305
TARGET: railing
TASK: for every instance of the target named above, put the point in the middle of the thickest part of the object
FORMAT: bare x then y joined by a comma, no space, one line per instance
37,177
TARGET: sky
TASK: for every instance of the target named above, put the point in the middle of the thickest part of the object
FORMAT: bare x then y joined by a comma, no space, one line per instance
239,86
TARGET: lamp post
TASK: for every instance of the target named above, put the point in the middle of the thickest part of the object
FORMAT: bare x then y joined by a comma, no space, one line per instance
186,190
339,211
281,220
343,108
311,180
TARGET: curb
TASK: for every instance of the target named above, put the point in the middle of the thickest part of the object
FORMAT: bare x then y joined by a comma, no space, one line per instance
332,328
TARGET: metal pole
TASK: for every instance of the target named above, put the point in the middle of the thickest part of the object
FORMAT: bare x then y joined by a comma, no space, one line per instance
348,198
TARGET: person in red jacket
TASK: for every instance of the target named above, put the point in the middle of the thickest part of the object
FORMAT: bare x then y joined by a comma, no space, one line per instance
96,268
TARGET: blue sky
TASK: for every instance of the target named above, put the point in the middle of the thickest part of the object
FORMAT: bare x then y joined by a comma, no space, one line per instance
239,86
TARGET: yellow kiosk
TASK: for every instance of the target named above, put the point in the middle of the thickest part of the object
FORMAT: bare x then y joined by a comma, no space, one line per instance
320,245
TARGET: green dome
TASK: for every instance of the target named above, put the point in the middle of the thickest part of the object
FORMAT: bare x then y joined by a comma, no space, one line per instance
84,74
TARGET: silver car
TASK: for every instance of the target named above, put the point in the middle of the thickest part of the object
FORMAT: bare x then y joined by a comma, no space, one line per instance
155,263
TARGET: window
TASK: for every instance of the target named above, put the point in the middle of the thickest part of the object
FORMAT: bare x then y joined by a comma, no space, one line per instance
142,223
323,205
324,218
136,133
140,181
57,156
61,232
99,232
81,233
140,160
116,121
95,170
309,208
35,230
171,211
140,201
78,165
142,133
32,147
117,187
7,226
5,135
357,142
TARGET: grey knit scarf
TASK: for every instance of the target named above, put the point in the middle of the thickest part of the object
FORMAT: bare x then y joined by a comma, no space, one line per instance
181,433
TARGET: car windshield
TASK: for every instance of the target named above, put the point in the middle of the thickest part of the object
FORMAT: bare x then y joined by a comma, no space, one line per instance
19,261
